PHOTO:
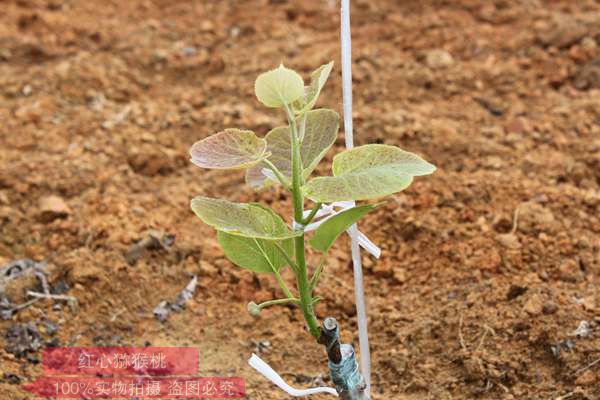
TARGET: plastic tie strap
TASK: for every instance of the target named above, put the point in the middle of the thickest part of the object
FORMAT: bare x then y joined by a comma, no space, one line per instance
265,370
328,211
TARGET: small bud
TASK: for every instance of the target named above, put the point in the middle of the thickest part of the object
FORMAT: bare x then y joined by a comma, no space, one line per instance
253,309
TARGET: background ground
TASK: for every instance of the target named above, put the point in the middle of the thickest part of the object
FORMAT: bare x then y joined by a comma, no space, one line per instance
488,266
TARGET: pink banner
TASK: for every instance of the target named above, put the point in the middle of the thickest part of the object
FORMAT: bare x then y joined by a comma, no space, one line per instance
120,361
143,388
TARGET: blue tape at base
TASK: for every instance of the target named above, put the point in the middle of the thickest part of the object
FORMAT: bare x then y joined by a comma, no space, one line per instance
346,376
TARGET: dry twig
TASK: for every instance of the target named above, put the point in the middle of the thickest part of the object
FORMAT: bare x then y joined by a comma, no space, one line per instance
50,296
460,335
485,332
590,365
515,225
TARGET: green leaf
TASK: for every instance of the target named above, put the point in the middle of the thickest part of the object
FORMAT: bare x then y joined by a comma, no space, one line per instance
248,220
279,87
256,255
230,149
374,155
331,229
320,133
367,172
317,80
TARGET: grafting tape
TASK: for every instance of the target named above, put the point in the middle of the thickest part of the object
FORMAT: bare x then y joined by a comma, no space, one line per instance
348,381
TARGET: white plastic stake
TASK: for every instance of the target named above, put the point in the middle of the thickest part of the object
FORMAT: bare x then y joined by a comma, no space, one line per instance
268,372
361,312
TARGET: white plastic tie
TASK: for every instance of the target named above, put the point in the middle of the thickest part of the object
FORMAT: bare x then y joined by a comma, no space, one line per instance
269,174
265,370
328,211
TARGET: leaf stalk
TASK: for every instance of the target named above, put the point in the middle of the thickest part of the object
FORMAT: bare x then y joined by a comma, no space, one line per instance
312,214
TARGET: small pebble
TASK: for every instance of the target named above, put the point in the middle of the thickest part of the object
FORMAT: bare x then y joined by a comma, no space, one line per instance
438,59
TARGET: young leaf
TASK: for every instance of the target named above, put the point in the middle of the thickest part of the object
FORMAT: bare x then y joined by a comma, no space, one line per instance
230,149
257,255
248,220
367,172
320,133
331,229
279,87
317,81
373,155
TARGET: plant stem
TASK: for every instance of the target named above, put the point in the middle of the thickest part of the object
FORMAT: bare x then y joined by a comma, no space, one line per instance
306,300
297,178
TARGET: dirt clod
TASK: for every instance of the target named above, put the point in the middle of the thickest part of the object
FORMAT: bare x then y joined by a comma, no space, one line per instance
550,308
152,240
587,378
534,305
589,76
51,208
151,162
509,240
438,59
515,291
